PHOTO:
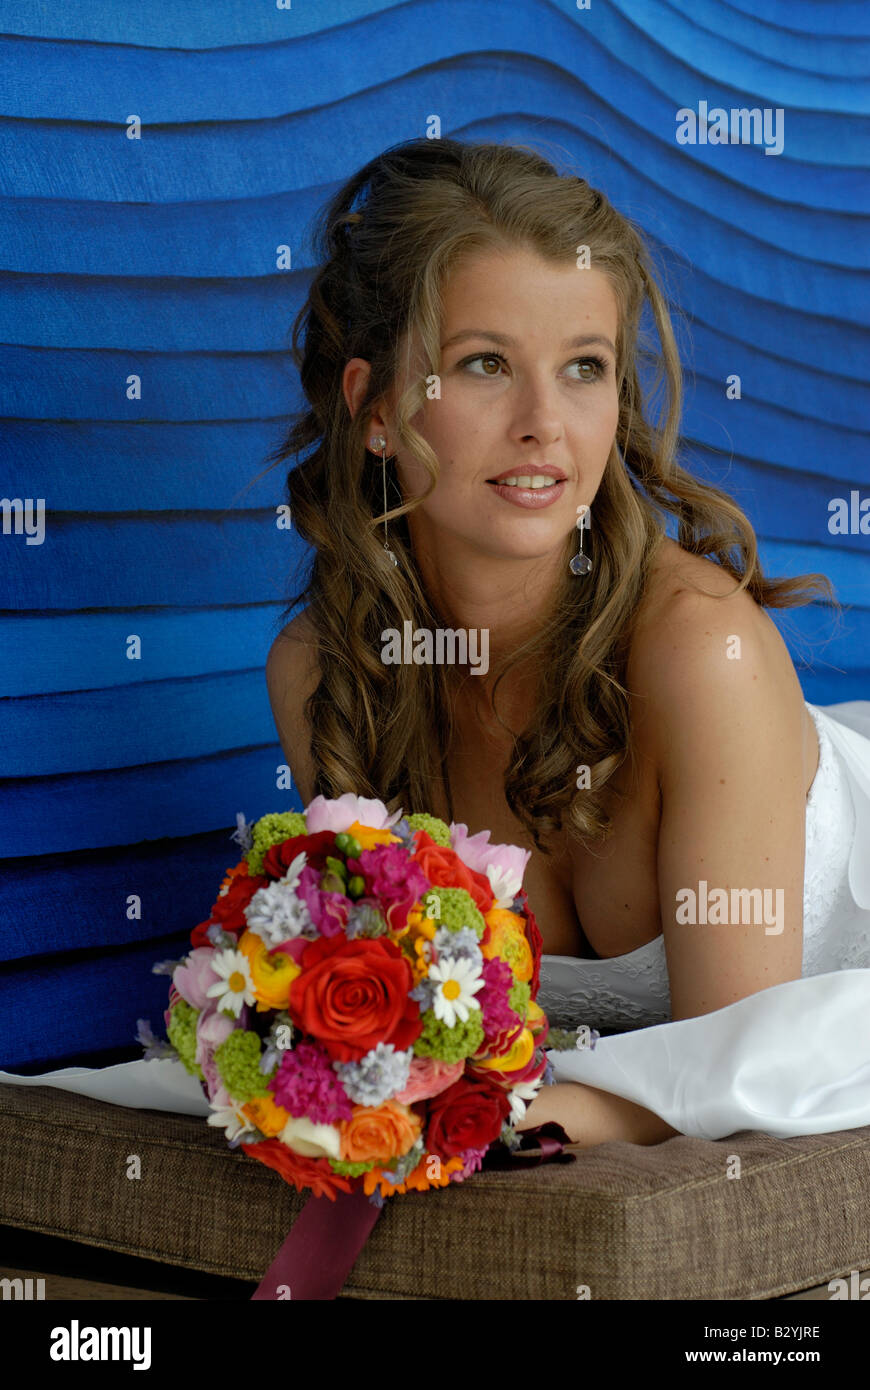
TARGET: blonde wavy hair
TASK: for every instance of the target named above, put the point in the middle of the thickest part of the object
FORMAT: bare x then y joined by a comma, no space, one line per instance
387,242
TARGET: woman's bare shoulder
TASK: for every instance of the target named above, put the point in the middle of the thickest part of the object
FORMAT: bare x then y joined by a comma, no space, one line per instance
694,631
689,591
292,674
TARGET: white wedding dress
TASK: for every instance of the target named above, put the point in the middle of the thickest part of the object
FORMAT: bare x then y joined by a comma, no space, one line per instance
792,1059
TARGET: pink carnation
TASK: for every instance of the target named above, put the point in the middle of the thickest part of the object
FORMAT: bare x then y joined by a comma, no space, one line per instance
329,911
393,877
502,1025
305,1084
472,1162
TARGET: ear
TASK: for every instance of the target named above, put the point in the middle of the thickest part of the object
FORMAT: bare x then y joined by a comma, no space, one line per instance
354,384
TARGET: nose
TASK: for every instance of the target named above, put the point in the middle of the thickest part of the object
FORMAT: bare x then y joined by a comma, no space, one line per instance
537,416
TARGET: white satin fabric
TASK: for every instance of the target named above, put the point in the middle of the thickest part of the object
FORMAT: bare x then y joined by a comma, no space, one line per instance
793,1059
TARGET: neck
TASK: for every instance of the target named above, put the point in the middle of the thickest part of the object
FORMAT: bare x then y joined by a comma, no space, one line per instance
509,598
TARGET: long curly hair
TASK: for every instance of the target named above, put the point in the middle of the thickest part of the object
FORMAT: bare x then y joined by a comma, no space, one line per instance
386,243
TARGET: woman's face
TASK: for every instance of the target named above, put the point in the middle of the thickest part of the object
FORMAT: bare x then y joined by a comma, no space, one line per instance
528,380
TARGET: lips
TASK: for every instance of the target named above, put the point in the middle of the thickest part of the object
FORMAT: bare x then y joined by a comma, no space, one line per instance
527,470
530,498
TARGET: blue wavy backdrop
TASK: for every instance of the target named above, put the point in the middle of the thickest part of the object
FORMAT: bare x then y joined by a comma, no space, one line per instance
157,258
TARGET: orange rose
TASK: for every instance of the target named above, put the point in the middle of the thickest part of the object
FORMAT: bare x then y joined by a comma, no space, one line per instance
444,869
506,939
384,1132
351,995
272,972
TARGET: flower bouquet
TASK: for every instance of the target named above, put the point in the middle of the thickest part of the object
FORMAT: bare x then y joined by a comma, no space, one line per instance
360,1004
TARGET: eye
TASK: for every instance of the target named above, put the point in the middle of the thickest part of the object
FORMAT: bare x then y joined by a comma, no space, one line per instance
597,368
485,357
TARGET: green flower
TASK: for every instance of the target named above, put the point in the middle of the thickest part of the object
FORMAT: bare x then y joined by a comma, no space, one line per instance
561,1039
238,1061
457,909
182,1035
449,1044
352,1170
272,830
438,829
519,997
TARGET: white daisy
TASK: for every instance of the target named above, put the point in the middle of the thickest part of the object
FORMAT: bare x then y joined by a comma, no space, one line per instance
456,982
519,1096
505,882
227,1115
235,987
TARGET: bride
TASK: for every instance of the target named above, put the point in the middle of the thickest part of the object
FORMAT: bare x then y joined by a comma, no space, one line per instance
699,834
477,469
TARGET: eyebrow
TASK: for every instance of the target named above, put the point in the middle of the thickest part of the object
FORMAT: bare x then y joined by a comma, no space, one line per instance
584,339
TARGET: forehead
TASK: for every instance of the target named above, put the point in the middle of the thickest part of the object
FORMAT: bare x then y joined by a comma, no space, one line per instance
509,290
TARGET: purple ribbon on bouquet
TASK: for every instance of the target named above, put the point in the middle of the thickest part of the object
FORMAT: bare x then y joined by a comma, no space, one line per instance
551,1147
326,1238
321,1248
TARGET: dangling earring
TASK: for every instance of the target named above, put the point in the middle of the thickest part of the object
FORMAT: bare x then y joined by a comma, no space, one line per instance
378,444
580,563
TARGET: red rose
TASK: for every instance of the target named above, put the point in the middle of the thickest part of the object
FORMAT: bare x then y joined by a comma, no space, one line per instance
444,869
278,858
352,995
229,907
199,937
468,1115
302,1172
535,940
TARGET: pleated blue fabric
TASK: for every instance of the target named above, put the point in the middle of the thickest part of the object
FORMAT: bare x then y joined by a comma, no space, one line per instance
155,260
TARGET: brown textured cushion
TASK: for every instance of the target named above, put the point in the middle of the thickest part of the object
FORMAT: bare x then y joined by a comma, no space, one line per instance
630,1222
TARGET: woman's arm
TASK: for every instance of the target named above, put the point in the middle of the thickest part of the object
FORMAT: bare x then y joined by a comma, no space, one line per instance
728,730
589,1116
292,675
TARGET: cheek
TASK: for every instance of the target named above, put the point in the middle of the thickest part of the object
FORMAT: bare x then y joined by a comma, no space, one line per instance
600,425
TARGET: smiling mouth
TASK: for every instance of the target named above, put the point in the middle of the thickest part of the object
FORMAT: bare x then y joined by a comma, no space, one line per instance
526,480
